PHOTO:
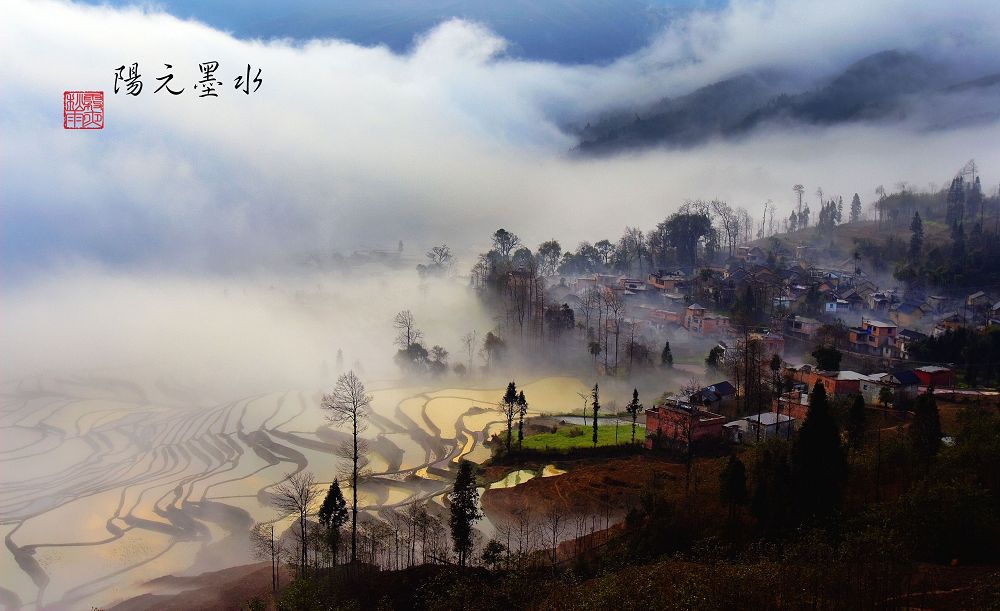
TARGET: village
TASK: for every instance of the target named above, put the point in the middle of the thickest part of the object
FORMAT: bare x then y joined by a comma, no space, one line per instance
871,327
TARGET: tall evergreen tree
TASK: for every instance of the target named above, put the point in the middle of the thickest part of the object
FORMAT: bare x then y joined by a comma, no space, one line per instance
827,357
596,406
733,484
818,461
522,409
667,357
855,208
508,406
917,237
771,502
925,431
955,212
332,516
958,246
975,199
885,396
464,505
746,308
856,418
776,382
714,359
634,407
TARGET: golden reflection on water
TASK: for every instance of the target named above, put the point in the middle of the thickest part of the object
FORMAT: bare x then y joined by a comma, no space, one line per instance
107,483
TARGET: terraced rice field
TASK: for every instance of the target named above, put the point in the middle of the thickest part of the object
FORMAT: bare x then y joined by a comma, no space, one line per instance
107,482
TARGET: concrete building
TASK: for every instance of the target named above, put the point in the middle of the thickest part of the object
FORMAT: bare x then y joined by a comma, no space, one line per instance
759,427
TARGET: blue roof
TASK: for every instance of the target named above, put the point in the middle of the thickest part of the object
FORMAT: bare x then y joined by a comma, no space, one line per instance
906,377
723,388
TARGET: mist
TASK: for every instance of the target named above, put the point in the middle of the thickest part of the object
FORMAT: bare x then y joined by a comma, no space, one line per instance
226,337
176,287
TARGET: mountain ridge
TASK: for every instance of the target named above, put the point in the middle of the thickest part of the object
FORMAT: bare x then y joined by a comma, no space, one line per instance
882,86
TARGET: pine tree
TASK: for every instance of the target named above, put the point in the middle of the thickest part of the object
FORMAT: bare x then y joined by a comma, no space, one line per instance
818,460
509,406
975,199
596,406
885,396
714,360
856,417
667,357
776,382
840,210
733,484
464,504
917,237
634,407
955,213
771,502
747,307
332,516
522,409
855,208
925,432
958,247
827,357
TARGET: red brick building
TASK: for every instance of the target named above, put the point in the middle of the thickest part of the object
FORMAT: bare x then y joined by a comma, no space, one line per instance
677,422
794,403
836,383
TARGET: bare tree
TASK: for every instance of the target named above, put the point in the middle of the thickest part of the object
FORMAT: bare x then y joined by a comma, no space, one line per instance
554,526
440,256
799,190
469,341
616,310
744,225
264,546
631,248
726,217
590,303
296,495
409,334
349,403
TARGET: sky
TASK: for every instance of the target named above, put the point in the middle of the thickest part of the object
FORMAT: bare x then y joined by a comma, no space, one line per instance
350,146
563,31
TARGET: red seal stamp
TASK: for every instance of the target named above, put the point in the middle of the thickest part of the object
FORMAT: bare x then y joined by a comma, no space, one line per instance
83,109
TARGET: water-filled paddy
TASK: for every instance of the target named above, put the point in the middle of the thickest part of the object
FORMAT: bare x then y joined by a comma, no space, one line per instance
101,478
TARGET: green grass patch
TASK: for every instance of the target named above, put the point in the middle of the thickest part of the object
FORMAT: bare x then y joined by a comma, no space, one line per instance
582,437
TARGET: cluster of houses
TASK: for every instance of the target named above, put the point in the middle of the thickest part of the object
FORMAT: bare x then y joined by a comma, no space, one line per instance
693,420
890,321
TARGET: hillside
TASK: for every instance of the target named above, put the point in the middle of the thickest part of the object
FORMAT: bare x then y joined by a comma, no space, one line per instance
887,86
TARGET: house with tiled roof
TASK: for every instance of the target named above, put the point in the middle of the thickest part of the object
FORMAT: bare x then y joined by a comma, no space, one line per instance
908,313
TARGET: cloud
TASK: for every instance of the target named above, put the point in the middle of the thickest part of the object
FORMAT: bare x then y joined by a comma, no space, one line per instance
348,147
